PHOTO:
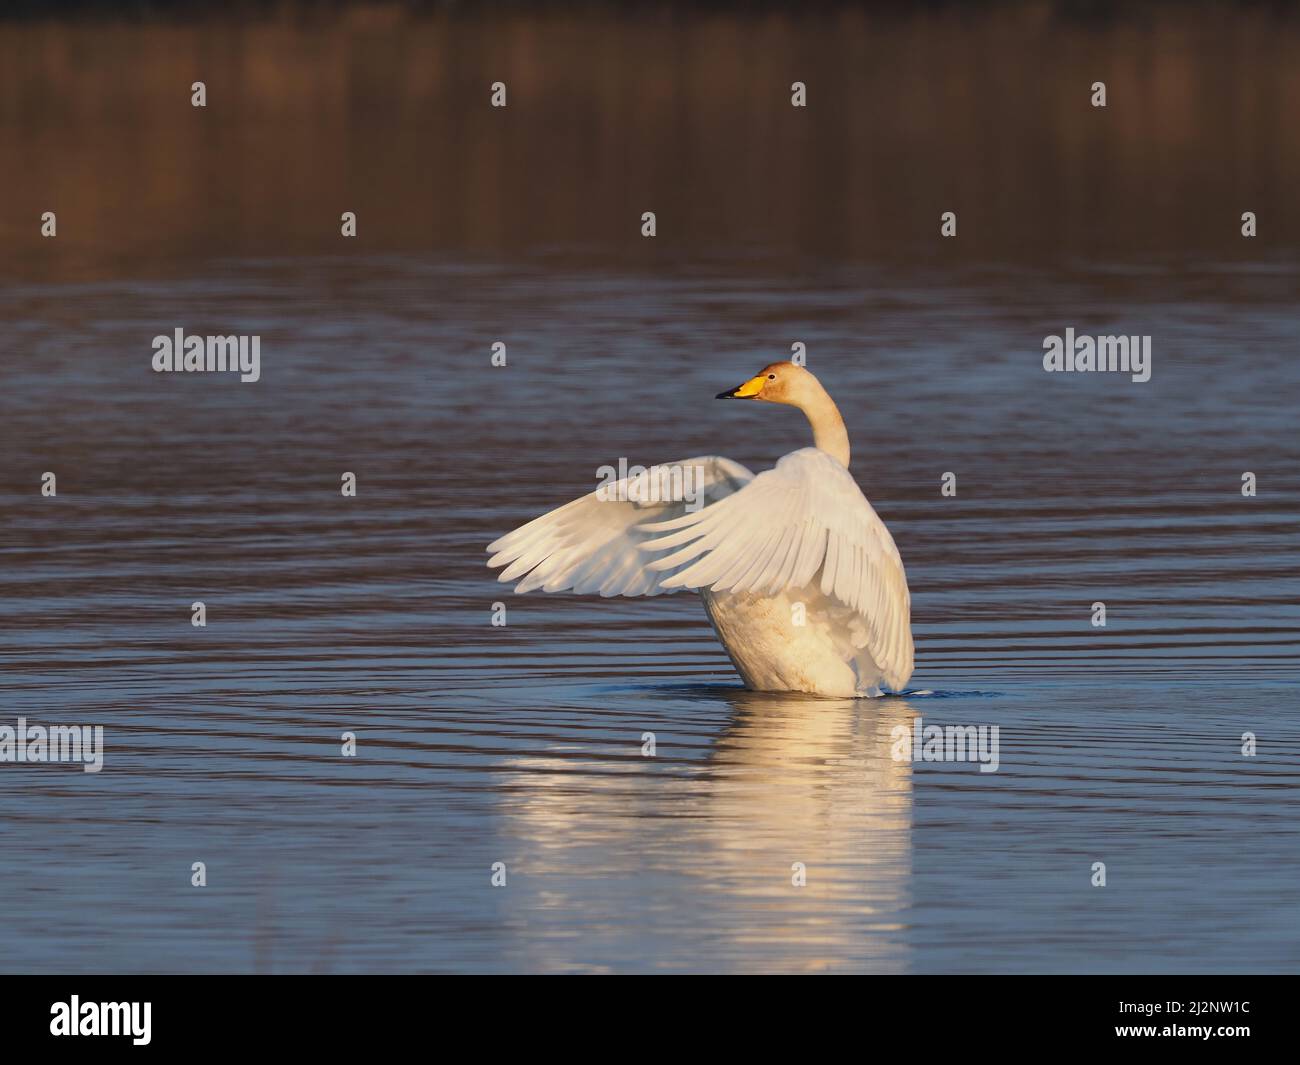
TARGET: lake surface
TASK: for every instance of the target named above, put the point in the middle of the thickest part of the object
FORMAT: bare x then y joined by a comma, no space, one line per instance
522,744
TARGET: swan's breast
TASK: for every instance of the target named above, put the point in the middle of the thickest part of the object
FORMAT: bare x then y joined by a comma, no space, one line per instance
796,640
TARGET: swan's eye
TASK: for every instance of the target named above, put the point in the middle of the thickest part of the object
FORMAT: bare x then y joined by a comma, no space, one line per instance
771,377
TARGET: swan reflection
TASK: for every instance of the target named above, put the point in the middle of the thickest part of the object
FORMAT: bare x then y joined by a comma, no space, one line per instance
633,856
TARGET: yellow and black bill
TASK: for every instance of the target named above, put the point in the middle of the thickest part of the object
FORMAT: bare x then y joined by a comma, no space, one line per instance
748,390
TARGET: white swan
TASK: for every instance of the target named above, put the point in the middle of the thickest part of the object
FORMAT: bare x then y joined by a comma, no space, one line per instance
800,578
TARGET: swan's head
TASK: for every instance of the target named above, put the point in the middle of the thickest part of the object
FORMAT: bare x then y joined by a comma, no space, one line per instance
780,382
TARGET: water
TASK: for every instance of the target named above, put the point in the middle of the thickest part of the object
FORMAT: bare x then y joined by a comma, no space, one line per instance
523,744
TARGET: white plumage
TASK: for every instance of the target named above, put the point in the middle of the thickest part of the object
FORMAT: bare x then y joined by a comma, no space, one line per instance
800,578
590,546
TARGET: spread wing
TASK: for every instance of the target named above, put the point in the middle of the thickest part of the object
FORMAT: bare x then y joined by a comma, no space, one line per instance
592,545
778,531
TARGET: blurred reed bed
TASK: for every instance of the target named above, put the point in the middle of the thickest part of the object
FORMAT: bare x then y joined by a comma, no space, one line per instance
384,110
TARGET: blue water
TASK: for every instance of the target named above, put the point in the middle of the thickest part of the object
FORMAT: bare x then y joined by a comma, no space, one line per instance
522,744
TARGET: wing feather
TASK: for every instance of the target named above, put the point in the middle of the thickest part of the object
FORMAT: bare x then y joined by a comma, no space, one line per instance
778,531
593,544
805,520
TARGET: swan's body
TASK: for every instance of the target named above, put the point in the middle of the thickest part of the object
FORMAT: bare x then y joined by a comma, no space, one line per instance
801,580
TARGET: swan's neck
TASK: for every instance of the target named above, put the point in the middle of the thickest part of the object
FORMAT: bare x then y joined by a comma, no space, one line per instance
828,429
